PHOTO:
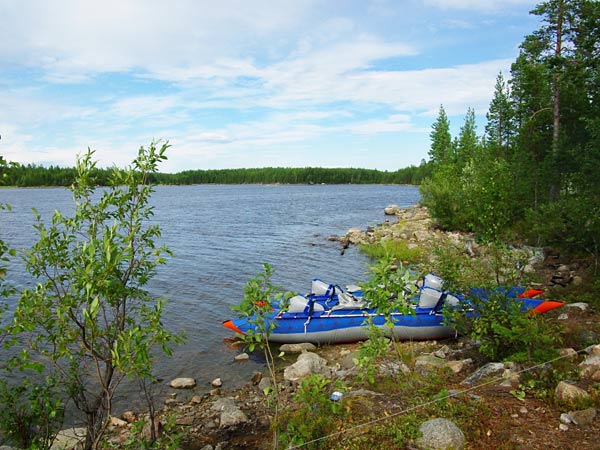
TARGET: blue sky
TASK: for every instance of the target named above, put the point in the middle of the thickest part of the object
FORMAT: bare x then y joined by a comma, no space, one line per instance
247,83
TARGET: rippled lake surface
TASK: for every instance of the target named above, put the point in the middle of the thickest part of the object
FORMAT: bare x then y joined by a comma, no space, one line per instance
221,235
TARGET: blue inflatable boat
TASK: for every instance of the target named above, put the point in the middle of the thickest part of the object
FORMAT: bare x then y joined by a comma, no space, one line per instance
330,314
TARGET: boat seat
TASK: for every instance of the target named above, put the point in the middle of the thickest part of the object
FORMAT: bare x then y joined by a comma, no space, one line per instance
301,304
348,301
429,297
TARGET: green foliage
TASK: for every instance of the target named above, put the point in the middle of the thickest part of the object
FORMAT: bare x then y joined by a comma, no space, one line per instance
169,438
572,223
441,151
504,331
497,322
31,413
315,415
500,266
536,172
443,196
395,249
89,318
257,307
369,354
34,175
388,288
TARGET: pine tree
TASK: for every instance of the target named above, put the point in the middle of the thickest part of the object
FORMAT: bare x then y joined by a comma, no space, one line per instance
441,140
500,126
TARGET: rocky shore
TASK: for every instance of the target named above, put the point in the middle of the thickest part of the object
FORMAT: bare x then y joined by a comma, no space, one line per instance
453,397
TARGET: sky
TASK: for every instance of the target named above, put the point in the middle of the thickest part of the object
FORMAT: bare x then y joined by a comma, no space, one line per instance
248,83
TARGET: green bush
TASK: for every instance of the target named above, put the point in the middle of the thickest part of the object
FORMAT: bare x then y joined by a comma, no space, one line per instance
504,330
31,413
316,415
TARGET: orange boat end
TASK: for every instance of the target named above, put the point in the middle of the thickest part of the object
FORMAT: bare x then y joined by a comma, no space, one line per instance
530,293
546,306
229,324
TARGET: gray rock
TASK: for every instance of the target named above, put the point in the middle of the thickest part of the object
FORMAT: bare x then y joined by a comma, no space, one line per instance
308,363
440,434
231,414
71,438
583,417
580,305
356,236
265,383
297,348
393,368
442,352
484,371
362,392
349,360
593,350
427,363
569,353
183,383
242,357
392,210
569,392
216,383
565,418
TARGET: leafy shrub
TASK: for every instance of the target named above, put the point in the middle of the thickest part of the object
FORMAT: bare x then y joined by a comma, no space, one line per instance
316,414
30,413
169,438
504,330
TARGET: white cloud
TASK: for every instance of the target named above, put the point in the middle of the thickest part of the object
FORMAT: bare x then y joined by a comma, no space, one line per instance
74,39
478,5
224,80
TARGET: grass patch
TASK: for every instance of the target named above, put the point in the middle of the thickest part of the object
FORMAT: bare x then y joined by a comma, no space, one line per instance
396,249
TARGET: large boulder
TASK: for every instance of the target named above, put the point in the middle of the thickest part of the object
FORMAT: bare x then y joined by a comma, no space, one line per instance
425,364
356,236
308,363
231,414
583,417
492,368
297,348
183,383
440,434
590,367
71,438
392,210
568,392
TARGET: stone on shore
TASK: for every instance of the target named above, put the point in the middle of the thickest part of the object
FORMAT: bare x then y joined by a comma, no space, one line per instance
392,210
440,434
569,392
308,363
583,417
297,348
484,371
71,438
231,414
183,383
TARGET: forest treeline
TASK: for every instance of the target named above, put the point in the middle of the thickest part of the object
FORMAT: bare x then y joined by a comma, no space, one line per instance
32,175
535,172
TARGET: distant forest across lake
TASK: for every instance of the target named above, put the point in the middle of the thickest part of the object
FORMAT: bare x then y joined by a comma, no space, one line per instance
31,175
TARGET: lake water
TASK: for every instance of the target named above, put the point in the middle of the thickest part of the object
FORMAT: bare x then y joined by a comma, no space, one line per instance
221,235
